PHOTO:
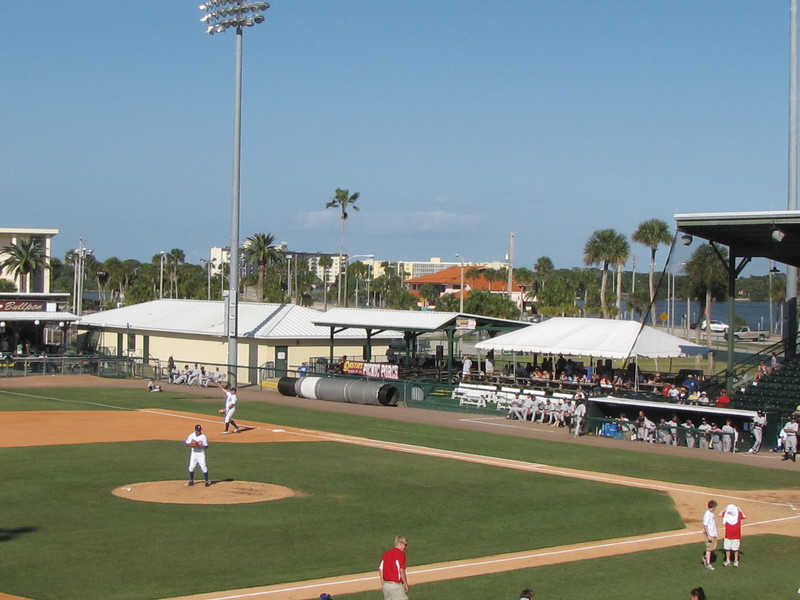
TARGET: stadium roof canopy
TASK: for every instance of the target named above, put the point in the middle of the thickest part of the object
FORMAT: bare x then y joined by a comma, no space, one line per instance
774,235
409,320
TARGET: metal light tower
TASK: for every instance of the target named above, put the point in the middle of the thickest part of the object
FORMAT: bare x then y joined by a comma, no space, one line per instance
220,16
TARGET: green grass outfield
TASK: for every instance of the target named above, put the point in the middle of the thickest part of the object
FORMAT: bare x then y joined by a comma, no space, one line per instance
64,536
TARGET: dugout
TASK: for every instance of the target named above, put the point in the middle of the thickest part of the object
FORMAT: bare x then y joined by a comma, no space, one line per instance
606,409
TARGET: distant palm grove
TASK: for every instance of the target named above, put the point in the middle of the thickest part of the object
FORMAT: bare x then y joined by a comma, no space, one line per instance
601,287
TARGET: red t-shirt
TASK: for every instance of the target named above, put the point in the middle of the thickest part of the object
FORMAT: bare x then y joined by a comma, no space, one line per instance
734,532
392,562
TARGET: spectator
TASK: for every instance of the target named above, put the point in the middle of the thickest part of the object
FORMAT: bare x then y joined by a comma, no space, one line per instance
697,594
710,534
723,400
732,518
303,370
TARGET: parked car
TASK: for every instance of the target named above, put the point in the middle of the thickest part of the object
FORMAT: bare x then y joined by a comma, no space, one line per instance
716,326
746,334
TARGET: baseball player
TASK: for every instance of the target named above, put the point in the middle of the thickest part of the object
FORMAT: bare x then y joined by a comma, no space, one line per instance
230,408
198,443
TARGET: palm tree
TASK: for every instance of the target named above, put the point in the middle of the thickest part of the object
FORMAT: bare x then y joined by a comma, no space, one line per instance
708,277
652,234
175,257
260,249
606,247
342,200
542,270
23,258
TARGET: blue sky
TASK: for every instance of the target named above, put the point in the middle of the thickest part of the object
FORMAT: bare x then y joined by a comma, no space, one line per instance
458,122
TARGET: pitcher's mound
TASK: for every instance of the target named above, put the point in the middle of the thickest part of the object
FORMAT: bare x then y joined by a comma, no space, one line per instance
219,492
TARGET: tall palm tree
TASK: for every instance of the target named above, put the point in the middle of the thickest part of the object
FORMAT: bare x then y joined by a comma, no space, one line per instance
260,249
708,277
342,200
606,247
652,233
22,258
175,258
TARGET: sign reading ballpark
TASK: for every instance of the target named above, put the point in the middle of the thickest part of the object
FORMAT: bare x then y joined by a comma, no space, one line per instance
370,369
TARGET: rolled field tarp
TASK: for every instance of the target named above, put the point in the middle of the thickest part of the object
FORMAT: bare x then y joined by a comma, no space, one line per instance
356,391
307,387
286,386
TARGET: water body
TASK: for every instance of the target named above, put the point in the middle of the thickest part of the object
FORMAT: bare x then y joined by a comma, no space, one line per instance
757,314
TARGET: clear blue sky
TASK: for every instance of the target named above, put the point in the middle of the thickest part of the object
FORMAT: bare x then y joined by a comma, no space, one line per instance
458,122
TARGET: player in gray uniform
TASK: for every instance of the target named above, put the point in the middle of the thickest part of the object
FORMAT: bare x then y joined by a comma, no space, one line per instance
230,408
198,443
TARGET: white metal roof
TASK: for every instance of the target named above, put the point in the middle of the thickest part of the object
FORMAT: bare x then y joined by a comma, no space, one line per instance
202,317
401,320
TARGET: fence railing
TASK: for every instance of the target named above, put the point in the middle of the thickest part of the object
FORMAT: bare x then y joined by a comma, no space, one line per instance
118,367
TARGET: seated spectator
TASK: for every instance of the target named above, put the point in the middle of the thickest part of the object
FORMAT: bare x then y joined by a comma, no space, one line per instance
691,384
723,400
702,398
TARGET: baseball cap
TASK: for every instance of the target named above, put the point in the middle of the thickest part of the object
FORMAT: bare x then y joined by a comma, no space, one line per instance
198,427
325,597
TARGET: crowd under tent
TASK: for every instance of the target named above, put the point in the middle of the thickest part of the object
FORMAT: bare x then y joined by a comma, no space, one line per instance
597,338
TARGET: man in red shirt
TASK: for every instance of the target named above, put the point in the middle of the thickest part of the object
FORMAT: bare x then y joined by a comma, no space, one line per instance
723,400
393,571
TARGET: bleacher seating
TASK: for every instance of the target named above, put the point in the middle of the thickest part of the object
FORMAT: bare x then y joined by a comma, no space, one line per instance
777,392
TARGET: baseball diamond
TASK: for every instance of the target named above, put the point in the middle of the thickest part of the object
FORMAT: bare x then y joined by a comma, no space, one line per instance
770,511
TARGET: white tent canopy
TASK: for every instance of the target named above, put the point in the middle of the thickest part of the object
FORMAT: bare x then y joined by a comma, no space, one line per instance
600,338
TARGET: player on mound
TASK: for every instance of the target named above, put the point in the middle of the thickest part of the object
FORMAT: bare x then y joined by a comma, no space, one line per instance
198,443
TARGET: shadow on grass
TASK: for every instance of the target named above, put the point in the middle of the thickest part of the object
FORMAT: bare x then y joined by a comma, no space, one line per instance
6,535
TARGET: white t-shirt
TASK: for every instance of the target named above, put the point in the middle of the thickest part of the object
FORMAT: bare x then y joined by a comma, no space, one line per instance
710,523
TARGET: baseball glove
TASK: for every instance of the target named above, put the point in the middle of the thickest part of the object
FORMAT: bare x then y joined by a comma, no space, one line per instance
222,411
193,444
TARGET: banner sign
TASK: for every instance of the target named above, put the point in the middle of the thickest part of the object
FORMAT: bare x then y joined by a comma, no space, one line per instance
462,323
23,305
370,369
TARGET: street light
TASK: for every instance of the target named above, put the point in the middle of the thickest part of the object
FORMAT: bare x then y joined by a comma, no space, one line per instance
345,272
220,16
461,290
208,264
77,285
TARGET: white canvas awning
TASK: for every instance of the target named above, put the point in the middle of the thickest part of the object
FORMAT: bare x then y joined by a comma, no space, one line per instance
601,338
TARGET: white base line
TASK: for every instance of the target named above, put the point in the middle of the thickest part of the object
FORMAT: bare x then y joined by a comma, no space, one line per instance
331,585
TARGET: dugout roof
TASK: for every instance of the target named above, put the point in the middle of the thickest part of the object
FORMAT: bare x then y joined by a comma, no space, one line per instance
774,235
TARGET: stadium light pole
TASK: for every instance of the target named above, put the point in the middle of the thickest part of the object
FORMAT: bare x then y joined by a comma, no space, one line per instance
461,289
220,16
